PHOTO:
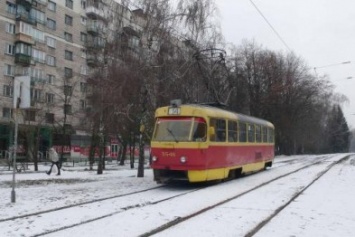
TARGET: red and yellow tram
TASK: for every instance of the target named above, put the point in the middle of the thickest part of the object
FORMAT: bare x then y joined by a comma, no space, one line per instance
202,143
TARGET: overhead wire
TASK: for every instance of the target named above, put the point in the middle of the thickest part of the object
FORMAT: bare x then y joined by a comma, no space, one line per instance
271,26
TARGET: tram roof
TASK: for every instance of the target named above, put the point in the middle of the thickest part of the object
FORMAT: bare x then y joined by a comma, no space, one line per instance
212,111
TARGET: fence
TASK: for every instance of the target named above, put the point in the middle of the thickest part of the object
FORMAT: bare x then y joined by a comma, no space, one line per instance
23,162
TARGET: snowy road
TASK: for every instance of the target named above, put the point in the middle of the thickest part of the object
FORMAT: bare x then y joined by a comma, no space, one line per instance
257,204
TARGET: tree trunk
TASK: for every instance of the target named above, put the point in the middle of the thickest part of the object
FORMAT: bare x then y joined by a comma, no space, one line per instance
131,151
141,156
123,153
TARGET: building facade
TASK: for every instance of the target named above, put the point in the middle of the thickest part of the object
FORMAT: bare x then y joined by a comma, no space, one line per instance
56,43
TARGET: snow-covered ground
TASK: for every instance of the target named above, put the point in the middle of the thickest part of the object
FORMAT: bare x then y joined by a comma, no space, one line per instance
325,208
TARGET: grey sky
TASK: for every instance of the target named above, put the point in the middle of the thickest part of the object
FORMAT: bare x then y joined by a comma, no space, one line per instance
322,32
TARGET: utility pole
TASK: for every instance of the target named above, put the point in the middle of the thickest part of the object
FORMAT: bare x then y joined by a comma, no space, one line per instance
14,151
21,99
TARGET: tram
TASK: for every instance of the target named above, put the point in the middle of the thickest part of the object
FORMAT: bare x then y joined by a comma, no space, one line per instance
200,143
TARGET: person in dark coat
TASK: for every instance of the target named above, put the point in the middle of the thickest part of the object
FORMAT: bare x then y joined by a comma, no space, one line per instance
54,158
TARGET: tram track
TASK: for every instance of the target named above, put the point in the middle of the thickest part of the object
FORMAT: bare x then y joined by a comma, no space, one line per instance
77,204
296,195
89,205
296,160
131,207
123,209
261,224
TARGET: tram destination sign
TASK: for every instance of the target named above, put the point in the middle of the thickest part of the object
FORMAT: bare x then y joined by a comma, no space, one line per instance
174,111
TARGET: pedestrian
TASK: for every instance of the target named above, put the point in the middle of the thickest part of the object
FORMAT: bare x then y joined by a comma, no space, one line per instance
53,156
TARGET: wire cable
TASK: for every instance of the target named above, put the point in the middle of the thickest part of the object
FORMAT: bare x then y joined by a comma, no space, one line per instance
273,29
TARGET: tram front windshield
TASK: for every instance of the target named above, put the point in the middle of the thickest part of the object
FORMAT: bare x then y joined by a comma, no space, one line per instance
180,129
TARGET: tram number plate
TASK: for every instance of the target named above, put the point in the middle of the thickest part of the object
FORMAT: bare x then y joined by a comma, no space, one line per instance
174,111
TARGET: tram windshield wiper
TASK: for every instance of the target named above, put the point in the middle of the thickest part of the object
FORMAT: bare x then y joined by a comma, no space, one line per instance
172,134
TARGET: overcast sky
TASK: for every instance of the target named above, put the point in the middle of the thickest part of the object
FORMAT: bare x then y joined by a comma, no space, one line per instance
322,32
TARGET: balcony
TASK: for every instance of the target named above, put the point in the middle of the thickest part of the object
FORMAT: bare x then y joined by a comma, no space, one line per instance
20,37
23,59
27,4
95,43
96,12
41,2
38,81
128,30
94,60
23,16
96,27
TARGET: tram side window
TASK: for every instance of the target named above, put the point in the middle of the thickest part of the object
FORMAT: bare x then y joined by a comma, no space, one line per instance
251,133
232,131
270,135
199,130
242,132
264,134
220,130
258,133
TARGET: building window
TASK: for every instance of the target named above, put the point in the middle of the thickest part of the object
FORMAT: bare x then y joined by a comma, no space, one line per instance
7,91
38,35
82,104
67,109
69,4
30,115
9,70
51,42
83,37
50,98
38,56
68,72
83,70
83,87
37,75
36,94
38,16
52,6
68,20
11,8
49,118
68,90
83,4
83,20
10,28
134,42
51,24
29,30
6,112
50,79
83,53
50,60
68,37
10,49
23,49
68,55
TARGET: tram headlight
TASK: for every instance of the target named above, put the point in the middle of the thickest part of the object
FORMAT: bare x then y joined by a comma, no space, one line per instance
183,159
154,158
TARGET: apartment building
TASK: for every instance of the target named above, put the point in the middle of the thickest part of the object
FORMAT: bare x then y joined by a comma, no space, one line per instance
56,44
